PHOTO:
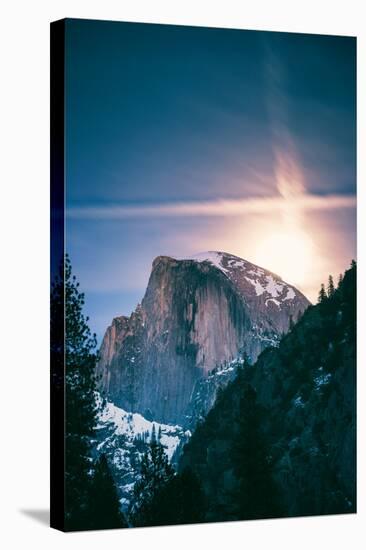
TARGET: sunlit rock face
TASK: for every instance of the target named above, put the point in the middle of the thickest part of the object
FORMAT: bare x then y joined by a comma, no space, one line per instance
113,337
197,314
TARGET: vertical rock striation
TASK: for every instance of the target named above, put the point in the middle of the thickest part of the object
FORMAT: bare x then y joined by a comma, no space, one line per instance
197,314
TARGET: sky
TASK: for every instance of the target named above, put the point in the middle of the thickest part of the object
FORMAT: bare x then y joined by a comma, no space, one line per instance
185,139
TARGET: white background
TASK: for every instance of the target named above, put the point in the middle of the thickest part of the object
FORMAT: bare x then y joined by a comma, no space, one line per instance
24,267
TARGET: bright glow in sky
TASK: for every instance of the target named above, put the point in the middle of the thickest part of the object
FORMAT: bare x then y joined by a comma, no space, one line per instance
183,139
287,253
288,249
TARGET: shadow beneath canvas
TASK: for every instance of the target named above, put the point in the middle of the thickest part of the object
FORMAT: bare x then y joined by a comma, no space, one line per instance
40,515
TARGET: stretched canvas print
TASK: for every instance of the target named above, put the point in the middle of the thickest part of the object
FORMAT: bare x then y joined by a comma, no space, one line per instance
203,299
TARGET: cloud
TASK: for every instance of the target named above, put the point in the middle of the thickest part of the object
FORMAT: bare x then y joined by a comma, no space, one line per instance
292,198
217,207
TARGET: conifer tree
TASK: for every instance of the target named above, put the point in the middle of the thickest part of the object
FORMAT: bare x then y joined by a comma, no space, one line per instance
180,500
322,294
80,413
153,434
187,502
57,302
155,473
257,495
330,289
79,346
105,507
177,499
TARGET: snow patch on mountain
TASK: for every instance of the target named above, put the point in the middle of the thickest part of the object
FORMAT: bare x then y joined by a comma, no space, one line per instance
215,258
274,287
236,268
274,301
258,287
133,425
124,438
290,294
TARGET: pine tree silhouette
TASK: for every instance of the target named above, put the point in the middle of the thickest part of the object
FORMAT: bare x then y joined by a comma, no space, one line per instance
81,408
105,507
256,496
155,473
80,403
322,294
330,289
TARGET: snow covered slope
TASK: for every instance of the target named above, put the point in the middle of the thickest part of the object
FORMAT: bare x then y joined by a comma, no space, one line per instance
124,438
134,425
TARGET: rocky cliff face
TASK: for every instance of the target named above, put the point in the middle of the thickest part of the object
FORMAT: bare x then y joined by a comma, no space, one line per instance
197,314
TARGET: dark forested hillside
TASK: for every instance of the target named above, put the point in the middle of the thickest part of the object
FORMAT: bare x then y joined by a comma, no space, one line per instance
281,438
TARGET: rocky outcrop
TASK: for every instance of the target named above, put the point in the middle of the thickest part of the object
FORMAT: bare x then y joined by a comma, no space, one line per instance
197,313
113,338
